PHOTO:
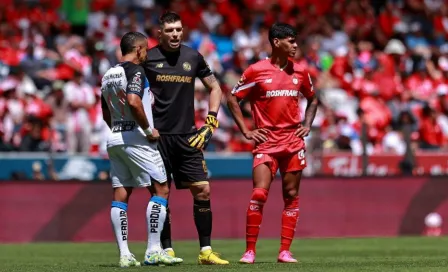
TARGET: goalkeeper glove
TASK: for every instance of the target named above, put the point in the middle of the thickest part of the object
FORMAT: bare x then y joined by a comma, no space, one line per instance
202,137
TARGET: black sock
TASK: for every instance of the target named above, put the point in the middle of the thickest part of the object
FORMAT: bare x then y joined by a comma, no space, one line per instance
165,236
203,220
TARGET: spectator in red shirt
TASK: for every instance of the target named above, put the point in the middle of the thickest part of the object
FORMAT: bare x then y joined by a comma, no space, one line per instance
388,18
421,85
431,136
192,14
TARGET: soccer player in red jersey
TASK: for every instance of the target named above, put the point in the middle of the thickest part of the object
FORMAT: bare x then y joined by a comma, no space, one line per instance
272,87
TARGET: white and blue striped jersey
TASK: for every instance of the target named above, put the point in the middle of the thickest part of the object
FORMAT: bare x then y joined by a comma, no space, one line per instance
120,80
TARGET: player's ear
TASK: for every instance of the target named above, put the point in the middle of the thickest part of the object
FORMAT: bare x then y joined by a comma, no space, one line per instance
276,42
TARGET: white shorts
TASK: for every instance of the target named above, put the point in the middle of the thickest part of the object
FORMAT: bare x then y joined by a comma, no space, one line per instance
135,166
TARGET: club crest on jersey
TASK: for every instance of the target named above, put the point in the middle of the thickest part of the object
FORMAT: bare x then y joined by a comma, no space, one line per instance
137,79
295,80
186,66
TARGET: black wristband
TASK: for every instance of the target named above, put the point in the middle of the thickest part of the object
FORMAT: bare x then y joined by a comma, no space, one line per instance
213,113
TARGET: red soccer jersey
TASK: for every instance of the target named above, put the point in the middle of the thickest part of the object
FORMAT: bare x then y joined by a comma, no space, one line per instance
274,97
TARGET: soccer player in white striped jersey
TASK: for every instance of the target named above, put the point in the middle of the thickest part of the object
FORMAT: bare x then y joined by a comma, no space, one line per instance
132,148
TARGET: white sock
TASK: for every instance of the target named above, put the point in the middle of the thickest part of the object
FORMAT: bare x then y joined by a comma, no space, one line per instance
206,248
119,218
155,217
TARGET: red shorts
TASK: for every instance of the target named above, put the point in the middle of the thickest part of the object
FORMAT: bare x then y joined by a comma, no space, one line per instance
289,162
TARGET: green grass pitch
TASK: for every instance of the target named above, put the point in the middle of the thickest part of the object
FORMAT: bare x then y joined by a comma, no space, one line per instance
369,254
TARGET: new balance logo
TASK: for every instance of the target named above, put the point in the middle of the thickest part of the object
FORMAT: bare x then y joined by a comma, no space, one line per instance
268,81
159,65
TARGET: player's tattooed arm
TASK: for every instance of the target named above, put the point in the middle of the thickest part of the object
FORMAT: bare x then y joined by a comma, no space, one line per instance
311,109
212,84
310,113
106,112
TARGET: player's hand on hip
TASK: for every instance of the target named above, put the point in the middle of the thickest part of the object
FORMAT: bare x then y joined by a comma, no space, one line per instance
302,131
258,135
154,137
201,139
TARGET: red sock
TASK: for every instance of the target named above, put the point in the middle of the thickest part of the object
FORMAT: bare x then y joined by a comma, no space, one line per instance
290,216
254,217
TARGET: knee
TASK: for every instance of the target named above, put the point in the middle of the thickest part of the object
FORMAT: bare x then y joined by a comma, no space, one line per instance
201,192
290,193
122,194
161,190
165,193
260,194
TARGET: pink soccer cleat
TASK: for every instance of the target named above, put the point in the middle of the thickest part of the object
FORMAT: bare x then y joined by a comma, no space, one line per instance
286,257
248,257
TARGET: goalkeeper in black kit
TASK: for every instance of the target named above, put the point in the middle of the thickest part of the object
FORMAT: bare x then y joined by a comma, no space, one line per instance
171,69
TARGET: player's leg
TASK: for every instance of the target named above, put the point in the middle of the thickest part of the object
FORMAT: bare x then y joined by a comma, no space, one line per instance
166,242
202,213
165,152
147,166
191,172
156,215
122,184
264,169
290,214
155,218
291,168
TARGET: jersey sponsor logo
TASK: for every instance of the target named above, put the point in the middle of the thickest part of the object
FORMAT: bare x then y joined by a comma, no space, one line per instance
186,66
173,78
113,84
159,65
113,76
134,88
121,126
277,93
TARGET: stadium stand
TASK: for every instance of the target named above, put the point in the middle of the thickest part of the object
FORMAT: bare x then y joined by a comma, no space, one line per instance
382,63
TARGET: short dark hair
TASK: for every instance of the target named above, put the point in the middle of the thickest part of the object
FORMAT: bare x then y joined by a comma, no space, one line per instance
169,17
281,31
128,41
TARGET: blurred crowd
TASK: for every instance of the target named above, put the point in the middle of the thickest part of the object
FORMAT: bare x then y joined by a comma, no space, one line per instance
378,65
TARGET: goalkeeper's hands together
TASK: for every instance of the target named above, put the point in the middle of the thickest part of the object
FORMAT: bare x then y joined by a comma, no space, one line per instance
202,137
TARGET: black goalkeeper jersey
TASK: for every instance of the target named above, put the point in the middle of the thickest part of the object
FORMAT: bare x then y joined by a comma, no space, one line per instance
171,77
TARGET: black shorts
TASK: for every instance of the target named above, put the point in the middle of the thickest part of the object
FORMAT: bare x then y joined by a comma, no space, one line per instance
186,164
